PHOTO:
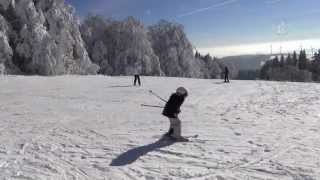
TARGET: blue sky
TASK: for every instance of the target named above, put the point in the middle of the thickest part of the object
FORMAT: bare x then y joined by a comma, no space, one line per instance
217,26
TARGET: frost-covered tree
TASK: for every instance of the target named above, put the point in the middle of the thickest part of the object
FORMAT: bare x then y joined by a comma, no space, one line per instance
174,50
120,47
44,38
6,51
210,67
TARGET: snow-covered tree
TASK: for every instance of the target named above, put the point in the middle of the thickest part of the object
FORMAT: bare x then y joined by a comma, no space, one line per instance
174,50
120,47
6,51
44,38
210,67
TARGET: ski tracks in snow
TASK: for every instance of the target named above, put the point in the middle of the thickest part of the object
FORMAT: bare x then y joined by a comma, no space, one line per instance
247,130
272,105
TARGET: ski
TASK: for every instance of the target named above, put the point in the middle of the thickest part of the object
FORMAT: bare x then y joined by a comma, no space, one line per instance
193,136
190,138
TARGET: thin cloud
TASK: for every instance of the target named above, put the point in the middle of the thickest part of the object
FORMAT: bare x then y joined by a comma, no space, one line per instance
273,1
224,3
148,12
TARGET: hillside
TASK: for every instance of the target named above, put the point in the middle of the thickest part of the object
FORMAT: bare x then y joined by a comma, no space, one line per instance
93,127
246,62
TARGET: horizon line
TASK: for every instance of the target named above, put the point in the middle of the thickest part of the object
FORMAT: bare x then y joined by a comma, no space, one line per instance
263,48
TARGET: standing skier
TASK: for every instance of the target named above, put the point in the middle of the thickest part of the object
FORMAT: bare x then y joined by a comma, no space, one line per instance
226,75
137,71
137,78
171,110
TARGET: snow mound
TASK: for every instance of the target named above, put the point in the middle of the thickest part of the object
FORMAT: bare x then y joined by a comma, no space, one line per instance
93,127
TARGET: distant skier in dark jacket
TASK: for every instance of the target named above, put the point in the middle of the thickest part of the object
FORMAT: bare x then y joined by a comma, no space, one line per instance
172,109
137,78
226,75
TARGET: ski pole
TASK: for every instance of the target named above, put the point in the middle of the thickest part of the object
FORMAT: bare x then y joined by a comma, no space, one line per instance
146,105
156,95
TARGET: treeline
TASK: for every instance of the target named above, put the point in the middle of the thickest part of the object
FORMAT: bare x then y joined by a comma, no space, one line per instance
292,67
45,38
125,47
211,67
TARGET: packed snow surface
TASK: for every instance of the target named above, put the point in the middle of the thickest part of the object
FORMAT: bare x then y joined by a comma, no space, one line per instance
94,127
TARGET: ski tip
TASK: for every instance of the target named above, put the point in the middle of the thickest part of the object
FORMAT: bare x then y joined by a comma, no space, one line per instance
193,136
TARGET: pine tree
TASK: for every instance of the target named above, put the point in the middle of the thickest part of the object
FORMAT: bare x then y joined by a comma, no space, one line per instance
289,60
264,70
317,56
294,59
208,57
282,61
197,55
275,62
315,67
302,64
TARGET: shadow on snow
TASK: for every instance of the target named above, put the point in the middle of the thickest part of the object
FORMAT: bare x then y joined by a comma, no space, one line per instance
134,154
219,82
120,86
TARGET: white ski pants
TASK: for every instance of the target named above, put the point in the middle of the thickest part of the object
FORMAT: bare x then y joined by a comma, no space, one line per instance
175,124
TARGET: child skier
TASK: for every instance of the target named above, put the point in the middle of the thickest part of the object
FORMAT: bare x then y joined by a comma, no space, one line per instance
171,110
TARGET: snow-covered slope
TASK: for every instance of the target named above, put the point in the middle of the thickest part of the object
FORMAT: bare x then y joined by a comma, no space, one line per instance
93,127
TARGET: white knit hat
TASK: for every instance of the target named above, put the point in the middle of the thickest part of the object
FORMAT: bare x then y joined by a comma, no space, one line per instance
182,91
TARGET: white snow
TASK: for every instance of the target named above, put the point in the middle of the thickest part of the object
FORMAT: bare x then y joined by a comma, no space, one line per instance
93,127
